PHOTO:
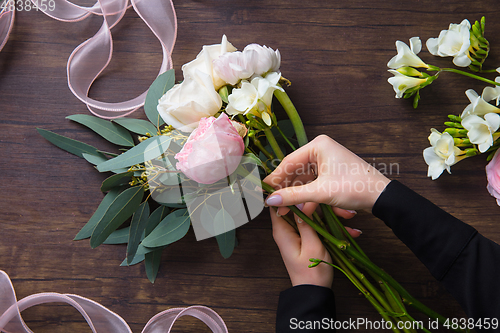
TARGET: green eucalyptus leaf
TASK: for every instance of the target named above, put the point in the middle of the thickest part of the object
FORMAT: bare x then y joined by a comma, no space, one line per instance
105,128
155,218
226,242
152,264
207,218
144,151
72,146
137,227
171,229
120,209
138,126
223,222
116,180
87,230
119,236
157,89
94,159
137,259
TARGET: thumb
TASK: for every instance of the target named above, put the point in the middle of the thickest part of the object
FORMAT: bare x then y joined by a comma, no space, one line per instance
295,195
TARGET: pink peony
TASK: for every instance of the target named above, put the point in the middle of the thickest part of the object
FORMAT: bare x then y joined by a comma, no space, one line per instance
213,151
493,175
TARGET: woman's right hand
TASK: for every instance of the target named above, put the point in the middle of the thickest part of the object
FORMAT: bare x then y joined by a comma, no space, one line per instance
339,178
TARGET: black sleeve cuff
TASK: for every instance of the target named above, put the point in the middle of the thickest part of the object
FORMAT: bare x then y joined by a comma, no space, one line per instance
434,236
302,306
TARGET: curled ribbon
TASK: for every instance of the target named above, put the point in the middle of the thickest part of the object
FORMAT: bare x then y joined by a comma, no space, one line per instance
6,23
90,58
99,318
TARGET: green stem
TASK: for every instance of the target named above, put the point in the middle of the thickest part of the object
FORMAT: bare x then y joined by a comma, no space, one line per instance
373,291
341,226
477,77
259,145
292,113
273,143
284,137
363,260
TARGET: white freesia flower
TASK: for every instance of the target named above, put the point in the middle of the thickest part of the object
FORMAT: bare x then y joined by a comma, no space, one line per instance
268,60
454,42
491,93
442,155
186,103
481,130
204,61
401,82
255,97
407,56
478,105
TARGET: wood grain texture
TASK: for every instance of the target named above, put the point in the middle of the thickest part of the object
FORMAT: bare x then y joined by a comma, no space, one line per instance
335,54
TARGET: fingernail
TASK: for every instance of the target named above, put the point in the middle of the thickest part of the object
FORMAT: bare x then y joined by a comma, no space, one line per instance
352,211
360,232
274,200
278,213
300,206
299,220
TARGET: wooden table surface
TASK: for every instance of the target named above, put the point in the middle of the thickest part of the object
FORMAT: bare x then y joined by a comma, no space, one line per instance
334,52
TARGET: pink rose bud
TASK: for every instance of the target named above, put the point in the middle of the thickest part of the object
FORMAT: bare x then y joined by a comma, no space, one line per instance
212,152
493,175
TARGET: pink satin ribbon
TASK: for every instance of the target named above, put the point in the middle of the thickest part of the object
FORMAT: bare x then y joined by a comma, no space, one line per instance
91,57
6,23
99,319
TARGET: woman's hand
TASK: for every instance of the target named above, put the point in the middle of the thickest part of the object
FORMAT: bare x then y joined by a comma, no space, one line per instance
328,173
297,248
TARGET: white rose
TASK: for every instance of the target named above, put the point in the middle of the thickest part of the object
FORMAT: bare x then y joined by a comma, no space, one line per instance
454,42
186,103
204,61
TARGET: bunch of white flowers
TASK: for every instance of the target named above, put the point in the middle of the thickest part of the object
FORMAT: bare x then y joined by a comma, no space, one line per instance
251,75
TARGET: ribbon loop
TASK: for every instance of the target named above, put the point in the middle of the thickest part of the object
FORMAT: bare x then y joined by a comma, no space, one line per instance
99,318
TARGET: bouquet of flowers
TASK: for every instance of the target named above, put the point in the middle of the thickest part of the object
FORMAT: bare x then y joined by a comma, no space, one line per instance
476,130
199,161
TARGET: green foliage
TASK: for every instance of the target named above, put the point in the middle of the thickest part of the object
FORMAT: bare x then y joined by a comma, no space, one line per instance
145,151
72,146
171,229
152,264
138,126
124,205
157,89
119,236
105,128
137,227
119,179
87,230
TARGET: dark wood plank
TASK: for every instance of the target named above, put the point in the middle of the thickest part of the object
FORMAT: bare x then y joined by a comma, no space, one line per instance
335,53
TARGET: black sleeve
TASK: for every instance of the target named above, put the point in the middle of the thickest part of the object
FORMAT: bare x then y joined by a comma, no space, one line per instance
305,309
467,263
